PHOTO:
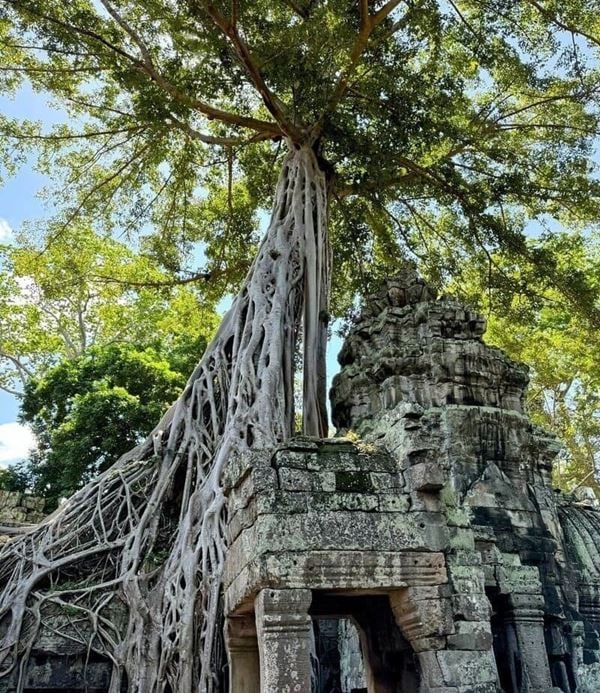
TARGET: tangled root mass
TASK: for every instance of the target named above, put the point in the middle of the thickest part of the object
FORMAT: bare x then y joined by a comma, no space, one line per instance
146,539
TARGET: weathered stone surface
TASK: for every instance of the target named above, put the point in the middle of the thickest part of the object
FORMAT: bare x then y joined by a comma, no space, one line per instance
284,634
17,511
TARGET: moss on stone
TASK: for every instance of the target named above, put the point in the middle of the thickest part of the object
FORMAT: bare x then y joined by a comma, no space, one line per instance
354,482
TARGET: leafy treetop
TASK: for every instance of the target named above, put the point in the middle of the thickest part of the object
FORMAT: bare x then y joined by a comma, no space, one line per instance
447,126
58,303
560,348
86,412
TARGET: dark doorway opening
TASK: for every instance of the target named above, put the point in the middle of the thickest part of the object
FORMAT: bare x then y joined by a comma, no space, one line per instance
386,662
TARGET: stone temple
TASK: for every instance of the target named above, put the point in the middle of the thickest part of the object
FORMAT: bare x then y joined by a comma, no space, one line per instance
423,551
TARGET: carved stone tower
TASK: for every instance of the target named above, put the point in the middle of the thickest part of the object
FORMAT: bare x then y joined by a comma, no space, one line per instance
432,525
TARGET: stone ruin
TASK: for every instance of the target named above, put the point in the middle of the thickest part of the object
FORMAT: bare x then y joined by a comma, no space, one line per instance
423,551
18,511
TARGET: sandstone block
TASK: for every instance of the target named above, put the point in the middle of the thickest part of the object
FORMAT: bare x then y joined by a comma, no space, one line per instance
471,635
425,476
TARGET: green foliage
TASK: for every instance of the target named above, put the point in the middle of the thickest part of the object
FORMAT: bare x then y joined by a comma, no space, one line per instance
558,345
450,132
86,412
446,127
15,478
83,289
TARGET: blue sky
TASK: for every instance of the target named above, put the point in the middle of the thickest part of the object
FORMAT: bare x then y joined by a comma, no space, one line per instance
18,203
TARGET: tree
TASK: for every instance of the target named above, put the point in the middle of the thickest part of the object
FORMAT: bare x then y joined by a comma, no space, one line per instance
13,479
88,290
88,411
388,122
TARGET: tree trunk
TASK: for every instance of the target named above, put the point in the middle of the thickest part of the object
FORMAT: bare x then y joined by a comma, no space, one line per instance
149,532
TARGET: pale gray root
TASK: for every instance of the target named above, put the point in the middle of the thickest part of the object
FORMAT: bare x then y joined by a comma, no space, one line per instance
149,534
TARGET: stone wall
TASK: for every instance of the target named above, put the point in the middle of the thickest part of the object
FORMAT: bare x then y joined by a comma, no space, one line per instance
19,509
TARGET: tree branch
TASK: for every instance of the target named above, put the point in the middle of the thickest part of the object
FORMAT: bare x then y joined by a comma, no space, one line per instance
273,104
148,68
211,139
561,24
382,13
368,23
300,10
18,364
198,276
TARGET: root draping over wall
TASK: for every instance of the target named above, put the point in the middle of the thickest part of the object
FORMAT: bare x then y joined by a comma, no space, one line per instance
148,535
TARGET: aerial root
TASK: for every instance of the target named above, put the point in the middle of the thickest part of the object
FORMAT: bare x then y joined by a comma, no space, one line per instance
131,565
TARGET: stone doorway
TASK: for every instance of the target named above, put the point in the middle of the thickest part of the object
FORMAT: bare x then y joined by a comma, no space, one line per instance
372,654
343,643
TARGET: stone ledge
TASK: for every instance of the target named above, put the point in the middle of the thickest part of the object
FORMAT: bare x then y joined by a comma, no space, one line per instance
357,571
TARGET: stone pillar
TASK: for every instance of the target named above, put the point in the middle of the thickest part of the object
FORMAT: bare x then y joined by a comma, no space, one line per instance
454,656
242,654
284,631
526,616
524,619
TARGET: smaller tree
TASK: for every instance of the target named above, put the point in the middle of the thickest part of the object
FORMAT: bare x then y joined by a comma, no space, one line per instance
86,412
14,478
60,296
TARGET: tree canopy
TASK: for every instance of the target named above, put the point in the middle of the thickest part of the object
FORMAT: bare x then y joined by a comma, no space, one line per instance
447,128
86,412
59,302
560,348
450,130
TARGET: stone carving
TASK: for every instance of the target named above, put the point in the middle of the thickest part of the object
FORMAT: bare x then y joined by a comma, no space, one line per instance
429,531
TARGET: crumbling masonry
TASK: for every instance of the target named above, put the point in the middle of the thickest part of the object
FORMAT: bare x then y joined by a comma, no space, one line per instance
423,551
437,532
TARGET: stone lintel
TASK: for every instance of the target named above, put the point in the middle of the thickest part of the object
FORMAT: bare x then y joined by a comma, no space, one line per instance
356,571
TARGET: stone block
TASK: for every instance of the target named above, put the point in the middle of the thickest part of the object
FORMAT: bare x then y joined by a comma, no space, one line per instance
282,502
519,579
355,530
33,503
471,635
394,503
384,482
291,459
428,592
17,515
241,520
425,476
461,539
303,480
467,668
471,607
428,644
464,558
422,501
238,467
353,481
335,461
368,502
466,579
9,499
331,570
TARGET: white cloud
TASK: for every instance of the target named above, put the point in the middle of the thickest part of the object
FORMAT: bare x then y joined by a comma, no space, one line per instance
6,232
15,442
